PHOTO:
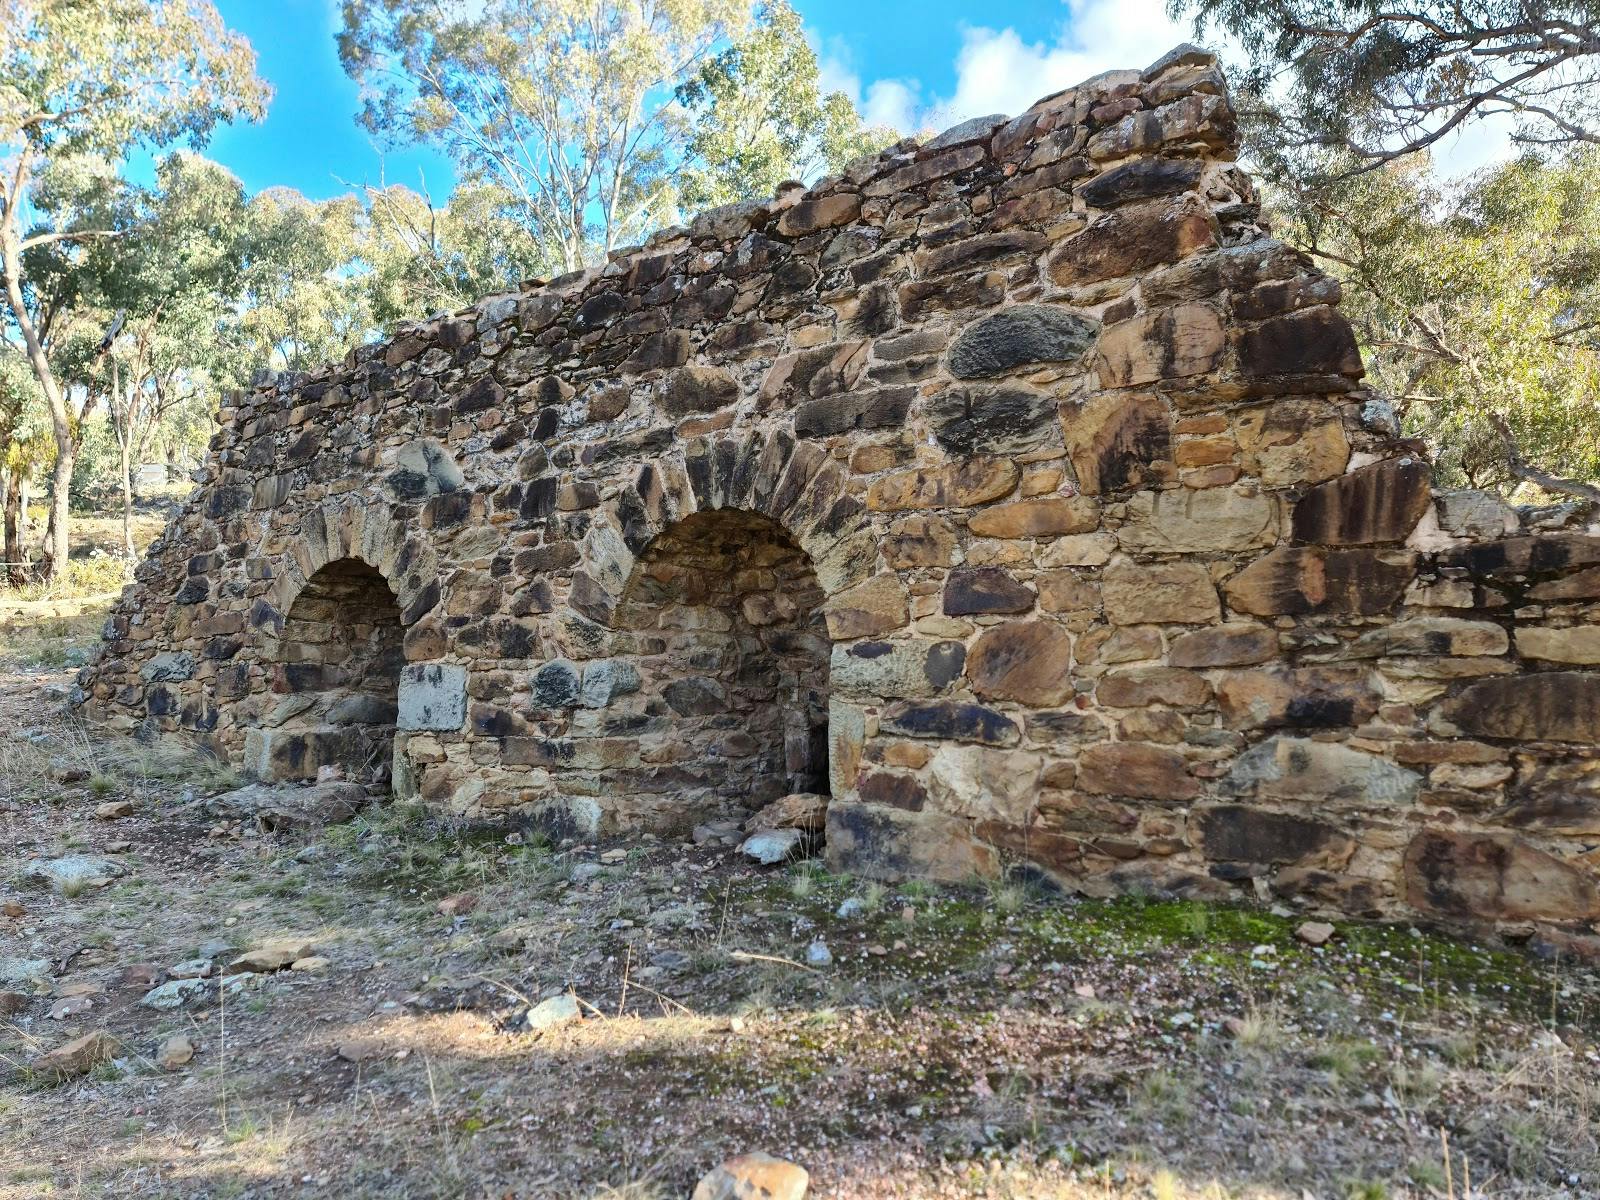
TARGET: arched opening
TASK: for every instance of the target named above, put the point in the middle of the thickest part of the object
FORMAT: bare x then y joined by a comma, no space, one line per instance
733,656
338,673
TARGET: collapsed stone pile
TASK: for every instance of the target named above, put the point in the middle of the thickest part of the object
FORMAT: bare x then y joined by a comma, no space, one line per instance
1016,489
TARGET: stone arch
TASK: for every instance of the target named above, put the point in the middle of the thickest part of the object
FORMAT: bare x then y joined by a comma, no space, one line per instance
334,677
772,474
723,615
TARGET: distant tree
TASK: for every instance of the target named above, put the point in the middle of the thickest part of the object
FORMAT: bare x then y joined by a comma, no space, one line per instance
424,258
25,446
569,105
1477,304
760,116
1380,81
98,78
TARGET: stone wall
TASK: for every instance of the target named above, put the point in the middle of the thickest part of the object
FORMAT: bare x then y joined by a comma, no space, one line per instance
1020,476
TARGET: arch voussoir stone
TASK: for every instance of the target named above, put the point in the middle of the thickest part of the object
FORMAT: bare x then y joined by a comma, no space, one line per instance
1052,455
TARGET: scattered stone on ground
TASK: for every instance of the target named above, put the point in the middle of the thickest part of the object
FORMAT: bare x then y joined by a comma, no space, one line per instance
362,1049
78,1056
22,971
721,833
310,964
68,1007
12,1003
554,1012
1314,933
272,955
757,1176
798,810
76,871
175,993
114,810
193,968
818,954
458,905
175,1052
774,846
13,908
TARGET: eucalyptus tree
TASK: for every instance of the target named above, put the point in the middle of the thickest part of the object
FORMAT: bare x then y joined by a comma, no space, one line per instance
98,77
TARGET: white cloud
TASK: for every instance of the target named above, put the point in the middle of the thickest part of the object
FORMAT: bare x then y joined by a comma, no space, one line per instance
1475,144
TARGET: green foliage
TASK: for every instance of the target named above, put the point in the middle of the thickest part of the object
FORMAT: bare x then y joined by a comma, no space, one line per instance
1380,81
1471,301
566,104
760,116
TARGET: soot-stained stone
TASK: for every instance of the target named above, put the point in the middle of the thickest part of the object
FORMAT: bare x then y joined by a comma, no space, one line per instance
1313,341
1238,833
1141,179
892,789
1378,503
1496,877
950,719
985,590
556,684
598,312
698,389
1560,706
1020,336
1114,440
1304,580
695,696
1003,419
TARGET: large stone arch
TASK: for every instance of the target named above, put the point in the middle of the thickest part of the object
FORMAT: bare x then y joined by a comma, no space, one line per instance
1125,577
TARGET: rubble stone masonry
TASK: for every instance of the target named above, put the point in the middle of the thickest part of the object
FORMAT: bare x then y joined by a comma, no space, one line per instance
1017,489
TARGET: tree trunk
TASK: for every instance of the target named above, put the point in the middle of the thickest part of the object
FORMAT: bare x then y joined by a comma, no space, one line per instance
60,422
16,550
127,501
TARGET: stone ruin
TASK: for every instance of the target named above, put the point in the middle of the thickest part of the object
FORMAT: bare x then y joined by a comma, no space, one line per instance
1017,490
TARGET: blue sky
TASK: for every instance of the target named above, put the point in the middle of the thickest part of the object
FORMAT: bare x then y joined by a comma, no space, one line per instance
911,63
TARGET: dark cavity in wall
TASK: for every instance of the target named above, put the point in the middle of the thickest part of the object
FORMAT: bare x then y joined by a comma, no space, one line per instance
733,655
336,679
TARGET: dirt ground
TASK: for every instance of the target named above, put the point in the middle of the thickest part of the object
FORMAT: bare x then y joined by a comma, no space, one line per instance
983,1041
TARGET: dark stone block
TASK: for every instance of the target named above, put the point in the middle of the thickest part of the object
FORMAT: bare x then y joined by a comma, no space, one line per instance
1141,179
1242,834
950,719
1378,503
1020,336
555,684
597,312
195,589
996,420
695,697
892,790
879,408
985,590
1313,341
1554,706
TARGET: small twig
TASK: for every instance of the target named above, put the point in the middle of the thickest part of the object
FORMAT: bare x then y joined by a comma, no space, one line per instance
627,963
788,962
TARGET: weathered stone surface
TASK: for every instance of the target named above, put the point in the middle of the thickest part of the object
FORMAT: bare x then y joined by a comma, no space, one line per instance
959,485
1025,661
1433,636
1048,517
950,719
1312,341
1136,769
168,668
1115,440
1578,644
1132,239
1290,768
1297,698
1292,441
875,607
1562,706
821,212
1172,343
1300,581
1233,645
985,590
914,667
1159,594
998,419
887,843
1379,503
1495,876
1237,833
1182,520
432,696
1146,686
757,1176
1020,336
79,1056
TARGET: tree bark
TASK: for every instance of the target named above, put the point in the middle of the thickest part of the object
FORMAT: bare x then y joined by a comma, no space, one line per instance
16,550
60,422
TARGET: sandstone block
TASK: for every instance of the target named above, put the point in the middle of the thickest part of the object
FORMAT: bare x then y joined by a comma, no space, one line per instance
1171,343
819,212
1496,877
869,609
1132,239
1114,440
985,590
1237,833
1556,706
949,719
1235,645
432,696
1379,503
999,419
1313,341
956,485
1299,698
1159,594
1303,580
1433,636
903,668
1050,516
1063,591
1026,661
1181,521
1291,768
1136,769
1019,336
1579,644
1153,685
875,842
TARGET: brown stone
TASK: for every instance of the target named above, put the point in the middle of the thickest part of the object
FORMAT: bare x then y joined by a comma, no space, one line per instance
1153,685
1029,662
1132,239
1238,833
1304,580
1433,636
1182,520
1557,706
1578,644
956,485
79,1056
985,590
1171,343
1048,517
1313,341
1224,646
1159,594
1379,503
1136,769
755,1176
819,212
875,607
1298,698
1495,877
1063,591
919,541
1114,440
698,389
1292,441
